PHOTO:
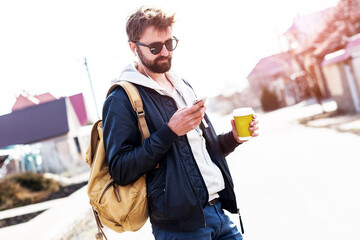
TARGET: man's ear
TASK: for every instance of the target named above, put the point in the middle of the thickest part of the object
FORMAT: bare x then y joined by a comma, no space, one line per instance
133,48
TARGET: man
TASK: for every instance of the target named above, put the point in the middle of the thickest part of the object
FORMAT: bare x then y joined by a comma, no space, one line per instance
192,183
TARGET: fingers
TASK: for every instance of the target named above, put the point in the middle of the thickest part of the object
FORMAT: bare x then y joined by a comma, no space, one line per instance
194,118
197,116
254,134
195,112
187,119
197,106
254,122
254,127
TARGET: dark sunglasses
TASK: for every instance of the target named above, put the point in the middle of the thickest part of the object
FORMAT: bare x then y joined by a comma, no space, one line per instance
156,47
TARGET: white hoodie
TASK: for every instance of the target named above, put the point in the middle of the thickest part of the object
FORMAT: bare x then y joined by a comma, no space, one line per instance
183,96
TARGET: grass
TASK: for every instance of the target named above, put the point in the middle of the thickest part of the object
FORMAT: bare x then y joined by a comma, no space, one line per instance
25,188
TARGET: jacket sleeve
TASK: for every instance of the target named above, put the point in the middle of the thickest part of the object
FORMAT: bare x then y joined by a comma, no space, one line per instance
226,141
127,157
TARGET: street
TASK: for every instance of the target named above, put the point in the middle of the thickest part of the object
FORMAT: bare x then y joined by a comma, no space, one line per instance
293,182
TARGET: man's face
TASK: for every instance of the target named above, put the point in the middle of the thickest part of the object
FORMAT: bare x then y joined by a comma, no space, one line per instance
161,62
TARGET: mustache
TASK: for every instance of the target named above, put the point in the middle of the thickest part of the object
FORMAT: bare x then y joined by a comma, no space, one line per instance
163,58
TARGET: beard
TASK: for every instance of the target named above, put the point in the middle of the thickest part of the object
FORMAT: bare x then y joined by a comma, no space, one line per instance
156,66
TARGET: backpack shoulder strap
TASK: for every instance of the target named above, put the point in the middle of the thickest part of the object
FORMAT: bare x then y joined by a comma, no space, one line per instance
136,103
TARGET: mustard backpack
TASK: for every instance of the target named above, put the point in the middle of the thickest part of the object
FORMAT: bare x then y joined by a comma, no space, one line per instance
120,208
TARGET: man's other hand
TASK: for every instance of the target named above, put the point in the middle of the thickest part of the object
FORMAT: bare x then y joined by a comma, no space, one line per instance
253,127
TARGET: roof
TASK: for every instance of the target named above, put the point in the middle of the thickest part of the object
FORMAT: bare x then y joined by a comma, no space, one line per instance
345,53
271,65
26,100
331,35
45,97
78,103
306,24
23,102
339,58
34,123
354,42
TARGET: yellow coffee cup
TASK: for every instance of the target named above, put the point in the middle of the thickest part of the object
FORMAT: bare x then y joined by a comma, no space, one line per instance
243,118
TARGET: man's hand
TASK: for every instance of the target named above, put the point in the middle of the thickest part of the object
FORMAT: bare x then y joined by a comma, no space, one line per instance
188,118
253,127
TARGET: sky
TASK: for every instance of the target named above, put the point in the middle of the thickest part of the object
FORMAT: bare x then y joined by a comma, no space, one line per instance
43,43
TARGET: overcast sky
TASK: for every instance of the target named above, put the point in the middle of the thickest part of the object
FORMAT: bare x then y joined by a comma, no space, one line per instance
43,43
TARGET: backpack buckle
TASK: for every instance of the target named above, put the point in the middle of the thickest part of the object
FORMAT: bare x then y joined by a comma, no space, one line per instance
140,113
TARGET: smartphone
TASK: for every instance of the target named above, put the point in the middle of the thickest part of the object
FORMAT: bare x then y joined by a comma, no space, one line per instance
195,102
200,99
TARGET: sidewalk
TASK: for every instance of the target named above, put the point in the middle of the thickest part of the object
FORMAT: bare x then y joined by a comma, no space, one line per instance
67,218
349,123
59,218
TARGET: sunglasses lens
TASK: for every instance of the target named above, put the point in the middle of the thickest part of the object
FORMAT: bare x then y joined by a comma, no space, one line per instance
155,48
170,44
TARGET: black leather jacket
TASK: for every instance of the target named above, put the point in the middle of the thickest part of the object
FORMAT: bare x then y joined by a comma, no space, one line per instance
176,190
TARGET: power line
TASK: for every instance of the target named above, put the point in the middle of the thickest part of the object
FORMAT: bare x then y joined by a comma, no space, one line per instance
92,88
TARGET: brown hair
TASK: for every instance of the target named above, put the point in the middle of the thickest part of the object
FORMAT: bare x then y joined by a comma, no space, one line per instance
145,17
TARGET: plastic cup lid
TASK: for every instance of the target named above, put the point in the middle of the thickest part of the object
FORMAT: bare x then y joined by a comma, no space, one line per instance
243,111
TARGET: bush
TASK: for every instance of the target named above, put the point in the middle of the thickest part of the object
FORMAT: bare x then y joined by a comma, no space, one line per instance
269,100
8,191
35,182
25,188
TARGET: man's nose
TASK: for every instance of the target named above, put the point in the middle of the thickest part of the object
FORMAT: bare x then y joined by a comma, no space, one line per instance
164,51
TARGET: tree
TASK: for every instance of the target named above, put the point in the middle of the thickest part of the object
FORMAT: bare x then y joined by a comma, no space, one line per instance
269,99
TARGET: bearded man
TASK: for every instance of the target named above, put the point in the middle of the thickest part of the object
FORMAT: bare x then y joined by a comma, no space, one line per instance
192,184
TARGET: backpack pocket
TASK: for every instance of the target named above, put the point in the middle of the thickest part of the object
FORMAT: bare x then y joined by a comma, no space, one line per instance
125,207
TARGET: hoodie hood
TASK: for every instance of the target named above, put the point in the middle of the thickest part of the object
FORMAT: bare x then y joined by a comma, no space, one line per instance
131,74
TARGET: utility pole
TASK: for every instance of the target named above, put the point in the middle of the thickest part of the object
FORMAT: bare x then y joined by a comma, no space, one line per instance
92,88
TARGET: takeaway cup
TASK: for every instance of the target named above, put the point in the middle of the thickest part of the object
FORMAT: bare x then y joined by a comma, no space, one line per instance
243,117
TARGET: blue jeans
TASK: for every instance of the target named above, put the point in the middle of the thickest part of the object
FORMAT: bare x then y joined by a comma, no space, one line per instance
218,227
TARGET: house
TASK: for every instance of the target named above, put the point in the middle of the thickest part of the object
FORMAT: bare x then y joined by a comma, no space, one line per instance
342,71
319,69
45,131
309,76
331,35
285,73
273,72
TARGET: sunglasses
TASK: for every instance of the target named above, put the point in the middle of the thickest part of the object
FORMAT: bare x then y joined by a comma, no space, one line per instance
156,47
